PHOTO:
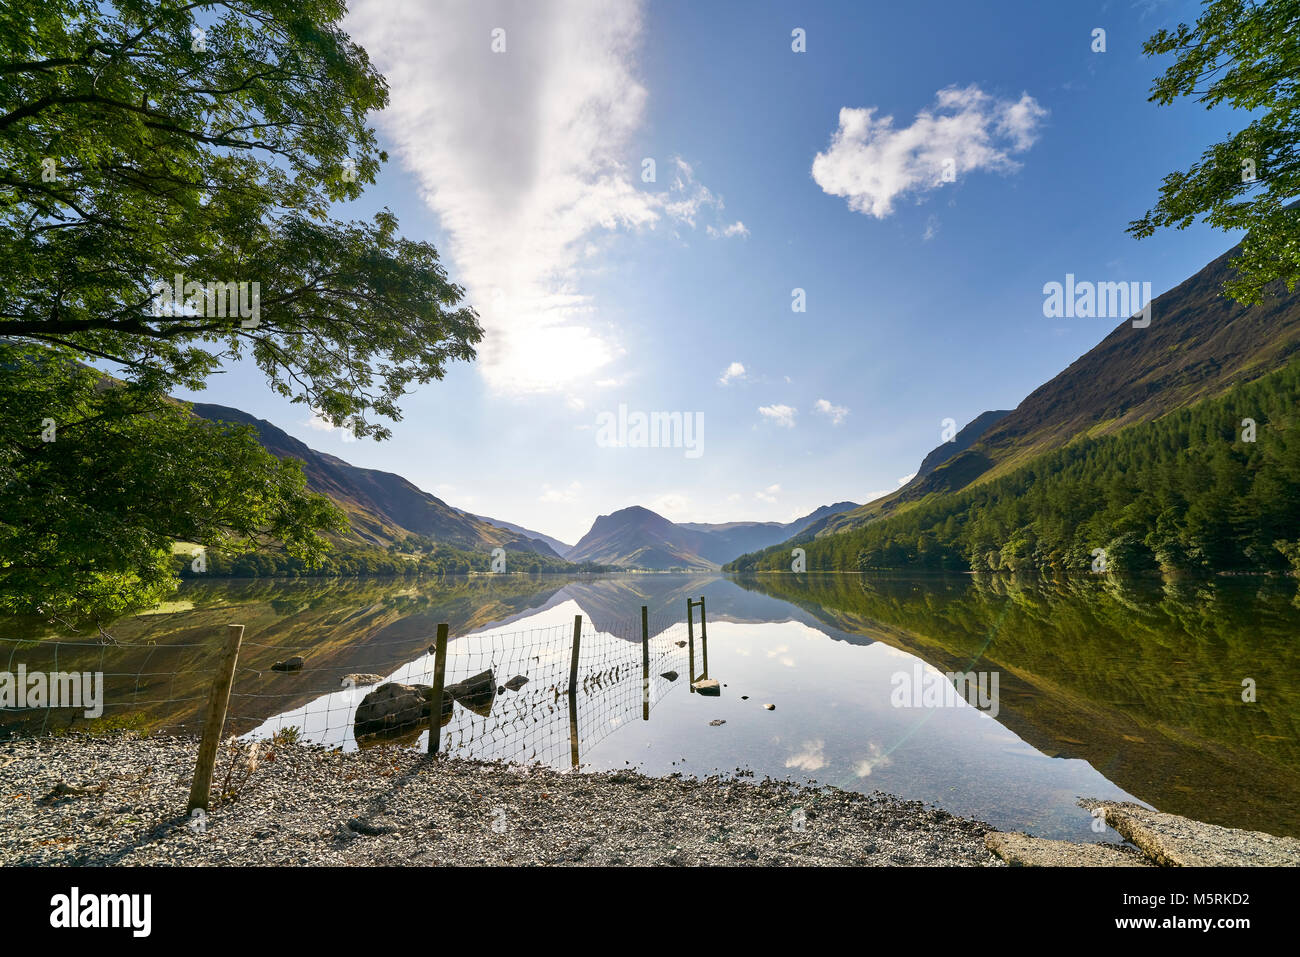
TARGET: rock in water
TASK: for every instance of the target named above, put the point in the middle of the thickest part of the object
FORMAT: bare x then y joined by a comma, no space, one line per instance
476,693
359,680
394,709
770,707
517,682
289,664
670,675
707,686
716,722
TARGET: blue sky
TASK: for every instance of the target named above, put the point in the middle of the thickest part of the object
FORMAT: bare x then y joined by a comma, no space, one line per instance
924,297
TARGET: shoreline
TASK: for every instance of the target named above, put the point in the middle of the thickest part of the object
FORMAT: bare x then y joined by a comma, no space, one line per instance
119,800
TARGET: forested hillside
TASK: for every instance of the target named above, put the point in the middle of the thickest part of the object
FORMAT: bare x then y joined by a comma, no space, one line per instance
1210,487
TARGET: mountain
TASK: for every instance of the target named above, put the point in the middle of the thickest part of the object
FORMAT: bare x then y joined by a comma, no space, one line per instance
1173,446
1198,345
636,537
724,542
555,544
382,507
963,440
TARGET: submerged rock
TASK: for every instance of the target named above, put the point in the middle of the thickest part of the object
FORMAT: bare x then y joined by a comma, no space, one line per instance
289,664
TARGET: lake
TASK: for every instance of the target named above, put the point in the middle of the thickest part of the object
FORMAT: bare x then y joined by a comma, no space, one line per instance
1100,688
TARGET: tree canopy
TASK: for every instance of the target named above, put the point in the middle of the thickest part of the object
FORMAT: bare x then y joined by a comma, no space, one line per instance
168,178
141,142
1245,54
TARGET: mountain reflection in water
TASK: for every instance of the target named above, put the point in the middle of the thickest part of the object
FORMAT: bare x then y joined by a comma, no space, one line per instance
1106,688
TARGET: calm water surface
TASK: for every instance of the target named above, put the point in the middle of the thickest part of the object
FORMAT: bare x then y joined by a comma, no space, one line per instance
1105,689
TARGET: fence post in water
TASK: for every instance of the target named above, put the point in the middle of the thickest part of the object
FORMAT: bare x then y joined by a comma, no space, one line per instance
690,641
645,664
573,691
218,701
704,638
439,681
573,661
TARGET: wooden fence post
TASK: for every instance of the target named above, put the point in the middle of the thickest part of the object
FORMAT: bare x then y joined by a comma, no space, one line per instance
572,696
573,662
704,637
573,691
218,701
690,640
439,680
645,664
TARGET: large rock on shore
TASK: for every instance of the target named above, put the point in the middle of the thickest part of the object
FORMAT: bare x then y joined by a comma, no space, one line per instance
1173,841
1021,850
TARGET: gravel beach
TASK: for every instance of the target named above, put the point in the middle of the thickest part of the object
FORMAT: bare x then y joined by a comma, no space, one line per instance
118,800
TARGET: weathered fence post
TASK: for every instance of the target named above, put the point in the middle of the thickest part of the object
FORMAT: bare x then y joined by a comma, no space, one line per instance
573,727
439,680
645,664
573,662
704,638
690,640
218,701
573,691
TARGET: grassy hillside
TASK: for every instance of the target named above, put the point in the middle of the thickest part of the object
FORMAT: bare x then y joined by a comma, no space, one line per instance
1198,345
1193,490
382,508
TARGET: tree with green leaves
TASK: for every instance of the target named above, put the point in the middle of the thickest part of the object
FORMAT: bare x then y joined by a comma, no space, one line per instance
108,476
1246,54
144,141
167,177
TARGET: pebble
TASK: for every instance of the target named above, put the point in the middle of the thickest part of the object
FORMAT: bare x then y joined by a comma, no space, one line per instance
389,805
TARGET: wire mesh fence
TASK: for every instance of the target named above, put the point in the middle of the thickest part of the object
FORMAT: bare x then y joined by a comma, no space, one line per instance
506,693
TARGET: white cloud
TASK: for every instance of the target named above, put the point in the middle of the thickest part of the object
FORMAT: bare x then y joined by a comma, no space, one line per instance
878,759
726,232
525,158
811,758
782,415
768,494
670,505
903,480
732,372
871,163
318,422
836,413
566,494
